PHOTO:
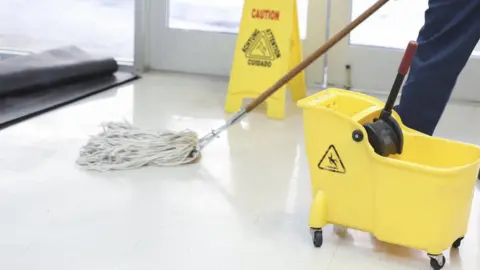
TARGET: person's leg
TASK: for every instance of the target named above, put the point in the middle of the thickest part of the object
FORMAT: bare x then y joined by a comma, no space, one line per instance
446,41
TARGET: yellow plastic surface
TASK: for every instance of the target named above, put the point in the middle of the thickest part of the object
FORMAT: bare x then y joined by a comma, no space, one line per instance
268,46
419,199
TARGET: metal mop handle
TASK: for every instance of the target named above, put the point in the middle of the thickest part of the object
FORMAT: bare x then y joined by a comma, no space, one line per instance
292,73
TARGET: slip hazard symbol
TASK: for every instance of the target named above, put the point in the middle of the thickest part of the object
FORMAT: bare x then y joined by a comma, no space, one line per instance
261,48
331,161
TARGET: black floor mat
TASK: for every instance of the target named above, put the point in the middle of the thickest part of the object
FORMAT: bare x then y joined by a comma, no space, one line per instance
15,108
33,84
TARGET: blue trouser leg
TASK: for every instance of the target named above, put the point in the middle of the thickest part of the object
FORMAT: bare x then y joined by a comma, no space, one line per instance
446,41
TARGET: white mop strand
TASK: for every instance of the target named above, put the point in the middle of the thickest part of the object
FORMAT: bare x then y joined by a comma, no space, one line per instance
122,146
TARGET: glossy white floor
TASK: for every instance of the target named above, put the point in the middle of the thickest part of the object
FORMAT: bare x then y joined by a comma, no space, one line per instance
243,206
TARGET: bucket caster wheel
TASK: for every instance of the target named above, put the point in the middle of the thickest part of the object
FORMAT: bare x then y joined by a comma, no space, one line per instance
437,262
457,243
317,237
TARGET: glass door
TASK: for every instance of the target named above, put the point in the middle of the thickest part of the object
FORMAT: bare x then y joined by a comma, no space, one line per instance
99,27
199,36
368,60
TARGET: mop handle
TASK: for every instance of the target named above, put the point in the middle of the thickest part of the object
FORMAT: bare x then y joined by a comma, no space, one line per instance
317,54
402,73
290,75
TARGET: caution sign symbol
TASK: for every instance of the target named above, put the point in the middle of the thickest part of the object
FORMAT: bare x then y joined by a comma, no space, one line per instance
331,161
261,48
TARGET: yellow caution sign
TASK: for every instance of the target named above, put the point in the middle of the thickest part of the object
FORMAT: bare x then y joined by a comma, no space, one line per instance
268,46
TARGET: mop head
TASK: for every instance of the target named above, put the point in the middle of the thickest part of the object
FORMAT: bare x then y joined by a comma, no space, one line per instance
121,146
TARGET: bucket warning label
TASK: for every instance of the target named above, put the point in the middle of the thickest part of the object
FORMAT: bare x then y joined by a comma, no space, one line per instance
261,48
331,161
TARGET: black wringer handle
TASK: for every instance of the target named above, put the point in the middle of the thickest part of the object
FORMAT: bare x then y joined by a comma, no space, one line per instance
385,134
402,73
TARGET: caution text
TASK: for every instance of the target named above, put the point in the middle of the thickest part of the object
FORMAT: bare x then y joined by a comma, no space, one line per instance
266,14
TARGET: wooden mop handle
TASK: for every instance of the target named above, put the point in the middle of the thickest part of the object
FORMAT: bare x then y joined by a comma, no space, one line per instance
317,54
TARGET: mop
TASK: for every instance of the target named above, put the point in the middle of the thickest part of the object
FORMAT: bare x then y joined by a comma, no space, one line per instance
122,146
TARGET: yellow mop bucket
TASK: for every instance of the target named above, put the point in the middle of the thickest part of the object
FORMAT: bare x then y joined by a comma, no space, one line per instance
420,198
